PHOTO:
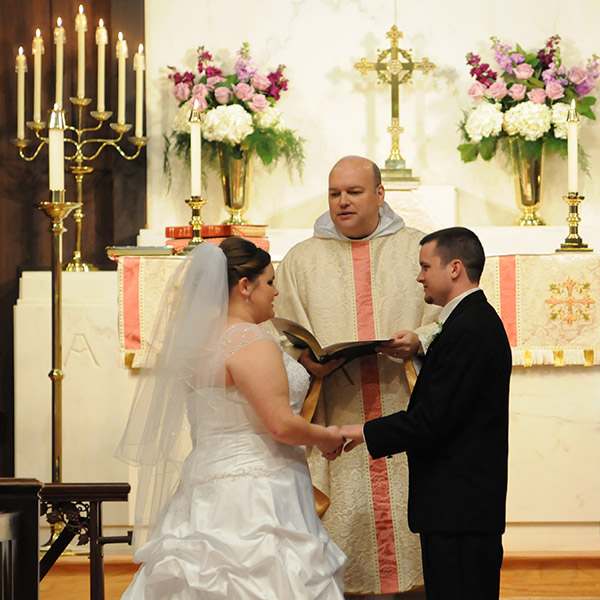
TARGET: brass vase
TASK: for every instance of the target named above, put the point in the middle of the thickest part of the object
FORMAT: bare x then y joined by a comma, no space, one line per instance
235,176
528,185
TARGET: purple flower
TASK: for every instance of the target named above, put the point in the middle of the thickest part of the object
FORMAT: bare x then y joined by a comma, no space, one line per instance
584,88
517,58
537,96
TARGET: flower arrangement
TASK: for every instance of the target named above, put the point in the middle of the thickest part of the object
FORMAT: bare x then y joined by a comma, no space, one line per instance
528,102
238,112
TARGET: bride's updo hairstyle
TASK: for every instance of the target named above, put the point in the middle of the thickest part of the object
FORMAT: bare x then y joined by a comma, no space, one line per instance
244,259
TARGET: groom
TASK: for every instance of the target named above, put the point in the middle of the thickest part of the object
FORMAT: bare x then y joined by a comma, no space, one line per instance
455,429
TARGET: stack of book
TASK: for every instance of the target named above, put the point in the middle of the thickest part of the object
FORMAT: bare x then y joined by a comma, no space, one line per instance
179,236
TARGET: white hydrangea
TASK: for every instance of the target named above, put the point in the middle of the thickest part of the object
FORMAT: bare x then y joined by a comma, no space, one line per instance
484,121
181,123
560,111
528,119
270,117
229,123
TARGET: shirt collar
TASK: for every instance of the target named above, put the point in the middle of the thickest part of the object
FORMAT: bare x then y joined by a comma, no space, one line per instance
446,310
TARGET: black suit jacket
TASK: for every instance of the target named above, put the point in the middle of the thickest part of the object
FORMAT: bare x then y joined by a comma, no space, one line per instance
455,429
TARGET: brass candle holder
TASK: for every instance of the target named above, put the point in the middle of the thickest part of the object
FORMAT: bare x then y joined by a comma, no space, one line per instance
195,203
573,242
57,210
78,159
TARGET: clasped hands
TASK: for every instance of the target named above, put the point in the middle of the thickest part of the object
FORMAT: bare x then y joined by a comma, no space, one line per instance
343,438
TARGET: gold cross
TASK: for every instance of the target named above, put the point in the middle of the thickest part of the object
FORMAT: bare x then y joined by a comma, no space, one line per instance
569,305
395,72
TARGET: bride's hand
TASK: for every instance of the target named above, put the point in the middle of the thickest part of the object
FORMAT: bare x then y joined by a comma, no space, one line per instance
332,447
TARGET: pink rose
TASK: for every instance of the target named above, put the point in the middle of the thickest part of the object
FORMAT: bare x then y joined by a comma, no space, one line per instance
199,90
517,91
223,94
181,91
212,81
537,96
201,100
554,90
259,103
260,82
243,91
476,91
523,71
576,75
498,90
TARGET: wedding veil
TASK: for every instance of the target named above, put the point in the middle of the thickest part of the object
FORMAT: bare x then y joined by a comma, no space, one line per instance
178,365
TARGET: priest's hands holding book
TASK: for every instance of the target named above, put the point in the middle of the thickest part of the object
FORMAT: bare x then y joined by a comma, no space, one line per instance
403,344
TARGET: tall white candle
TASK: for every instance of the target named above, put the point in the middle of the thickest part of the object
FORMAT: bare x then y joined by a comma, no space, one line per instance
37,48
572,150
59,41
81,28
56,152
195,150
139,65
122,53
21,69
101,41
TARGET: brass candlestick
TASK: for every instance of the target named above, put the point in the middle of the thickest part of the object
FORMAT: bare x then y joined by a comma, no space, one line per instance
195,203
78,158
573,242
57,209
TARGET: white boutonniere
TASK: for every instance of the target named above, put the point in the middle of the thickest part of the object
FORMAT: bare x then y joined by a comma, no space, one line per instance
434,334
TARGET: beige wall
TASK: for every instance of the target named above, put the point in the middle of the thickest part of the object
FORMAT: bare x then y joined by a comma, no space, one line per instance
340,112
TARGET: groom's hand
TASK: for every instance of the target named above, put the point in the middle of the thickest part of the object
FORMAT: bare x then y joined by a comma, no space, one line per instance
354,433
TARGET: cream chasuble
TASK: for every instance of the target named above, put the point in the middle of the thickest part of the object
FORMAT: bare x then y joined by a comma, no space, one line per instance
356,290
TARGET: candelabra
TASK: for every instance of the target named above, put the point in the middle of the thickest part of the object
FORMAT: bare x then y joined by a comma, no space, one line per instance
78,159
80,137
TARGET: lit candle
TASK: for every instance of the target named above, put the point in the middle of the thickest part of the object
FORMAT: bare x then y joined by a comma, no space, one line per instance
195,150
21,69
59,41
81,28
122,54
572,141
37,49
101,41
139,65
56,150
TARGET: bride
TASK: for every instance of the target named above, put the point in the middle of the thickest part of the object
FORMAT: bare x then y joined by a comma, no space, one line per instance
224,488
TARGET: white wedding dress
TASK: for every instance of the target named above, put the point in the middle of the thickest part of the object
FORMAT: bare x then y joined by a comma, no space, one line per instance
242,524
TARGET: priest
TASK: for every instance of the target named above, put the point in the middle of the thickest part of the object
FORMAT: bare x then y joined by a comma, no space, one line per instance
355,279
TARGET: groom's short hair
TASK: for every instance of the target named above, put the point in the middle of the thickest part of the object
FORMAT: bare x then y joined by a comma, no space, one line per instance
462,244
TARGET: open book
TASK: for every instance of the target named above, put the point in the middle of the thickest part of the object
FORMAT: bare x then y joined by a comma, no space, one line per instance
302,338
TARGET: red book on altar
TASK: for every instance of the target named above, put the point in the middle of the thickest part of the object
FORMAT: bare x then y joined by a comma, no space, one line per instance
211,231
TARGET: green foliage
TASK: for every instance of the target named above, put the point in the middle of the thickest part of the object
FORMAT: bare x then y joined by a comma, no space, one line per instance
469,152
487,147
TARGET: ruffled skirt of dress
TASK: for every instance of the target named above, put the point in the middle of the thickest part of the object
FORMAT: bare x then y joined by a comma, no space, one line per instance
241,538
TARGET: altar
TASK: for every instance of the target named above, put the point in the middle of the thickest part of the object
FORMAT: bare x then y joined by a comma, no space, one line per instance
553,495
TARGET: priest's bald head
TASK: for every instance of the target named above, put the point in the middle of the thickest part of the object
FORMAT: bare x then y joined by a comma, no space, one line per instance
355,196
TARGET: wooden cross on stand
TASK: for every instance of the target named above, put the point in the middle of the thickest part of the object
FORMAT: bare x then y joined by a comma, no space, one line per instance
395,72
